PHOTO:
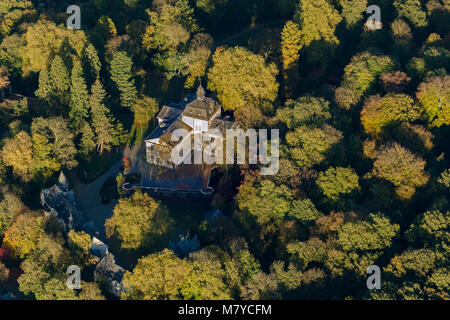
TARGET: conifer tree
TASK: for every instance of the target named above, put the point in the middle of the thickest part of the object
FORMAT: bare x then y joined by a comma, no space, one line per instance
79,100
290,50
60,79
121,66
102,121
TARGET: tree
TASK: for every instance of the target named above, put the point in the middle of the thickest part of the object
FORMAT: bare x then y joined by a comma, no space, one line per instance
290,51
360,76
336,182
87,141
4,273
304,253
79,99
401,168
138,221
263,200
79,243
411,10
59,76
352,11
434,99
376,233
144,110
159,276
305,211
44,40
394,81
18,154
380,112
195,61
318,20
240,77
102,120
207,280
309,111
23,236
308,147
90,291
53,145
91,64
121,74
9,209
4,78
170,27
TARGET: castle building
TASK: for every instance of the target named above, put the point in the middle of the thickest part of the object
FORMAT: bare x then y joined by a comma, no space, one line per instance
196,114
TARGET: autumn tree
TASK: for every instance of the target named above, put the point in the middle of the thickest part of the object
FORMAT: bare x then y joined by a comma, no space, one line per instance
9,209
434,99
53,145
318,21
195,61
207,280
376,233
353,11
394,82
23,236
18,153
159,276
308,147
290,51
411,10
380,112
138,221
402,168
44,40
360,77
307,110
264,201
336,182
240,77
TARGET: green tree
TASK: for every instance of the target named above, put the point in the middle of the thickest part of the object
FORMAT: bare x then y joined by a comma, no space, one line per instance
79,98
336,182
308,147
102,120
159,276
411,10
121,73
376,233
138,221
240,78
306,110
263,200
434,99
353,11
318,21
304,253
207,280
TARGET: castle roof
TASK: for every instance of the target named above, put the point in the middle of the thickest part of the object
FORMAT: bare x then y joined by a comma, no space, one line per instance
201,108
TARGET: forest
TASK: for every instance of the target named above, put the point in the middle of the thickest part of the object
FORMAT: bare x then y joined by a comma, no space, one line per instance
364,120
